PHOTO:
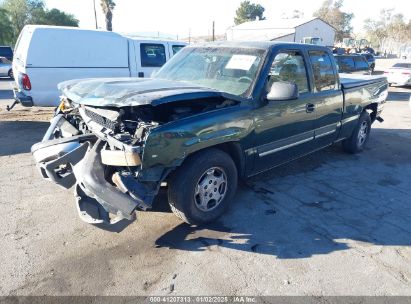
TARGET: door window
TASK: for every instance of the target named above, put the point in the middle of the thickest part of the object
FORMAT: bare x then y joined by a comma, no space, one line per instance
289,67
152,54
324,76
345,64
361,63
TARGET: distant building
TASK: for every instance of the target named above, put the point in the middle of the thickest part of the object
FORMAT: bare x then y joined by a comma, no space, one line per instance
287,30
201,39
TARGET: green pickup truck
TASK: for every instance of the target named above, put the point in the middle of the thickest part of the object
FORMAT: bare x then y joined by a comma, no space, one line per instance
213,114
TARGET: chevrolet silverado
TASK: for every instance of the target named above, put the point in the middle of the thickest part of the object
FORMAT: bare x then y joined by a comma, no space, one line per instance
213,114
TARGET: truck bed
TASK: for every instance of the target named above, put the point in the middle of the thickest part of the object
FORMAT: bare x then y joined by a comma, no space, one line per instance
351,80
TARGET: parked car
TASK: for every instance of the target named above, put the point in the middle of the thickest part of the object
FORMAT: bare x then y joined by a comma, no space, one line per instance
353,64
371,60
5,68
47,55
214,113
6,51
399,74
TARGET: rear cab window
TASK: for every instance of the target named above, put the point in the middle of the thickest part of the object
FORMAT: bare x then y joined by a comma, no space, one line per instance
152,54
323,71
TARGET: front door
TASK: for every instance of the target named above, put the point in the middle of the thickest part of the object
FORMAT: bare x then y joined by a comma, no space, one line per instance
285,129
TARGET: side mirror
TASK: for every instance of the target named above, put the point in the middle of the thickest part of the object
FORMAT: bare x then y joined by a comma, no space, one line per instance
282,90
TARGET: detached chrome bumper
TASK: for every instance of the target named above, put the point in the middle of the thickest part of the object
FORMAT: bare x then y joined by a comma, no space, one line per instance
76,160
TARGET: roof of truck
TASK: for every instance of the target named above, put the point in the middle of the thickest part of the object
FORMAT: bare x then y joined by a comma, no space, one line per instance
257,44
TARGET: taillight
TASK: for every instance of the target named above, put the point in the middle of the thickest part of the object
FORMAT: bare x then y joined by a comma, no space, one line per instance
406,73
25,82
386,72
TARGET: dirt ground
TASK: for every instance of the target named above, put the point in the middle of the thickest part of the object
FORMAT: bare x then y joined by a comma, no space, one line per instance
327,224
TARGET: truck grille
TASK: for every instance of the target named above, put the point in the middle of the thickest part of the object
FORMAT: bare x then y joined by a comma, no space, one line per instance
101,120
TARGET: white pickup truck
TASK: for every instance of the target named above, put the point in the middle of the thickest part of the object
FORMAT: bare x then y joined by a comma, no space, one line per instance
48,55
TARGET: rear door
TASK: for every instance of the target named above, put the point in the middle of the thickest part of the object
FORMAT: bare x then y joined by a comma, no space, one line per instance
151,56
328,98
285,129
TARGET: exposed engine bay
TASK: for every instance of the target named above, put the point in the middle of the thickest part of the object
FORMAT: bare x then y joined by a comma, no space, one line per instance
100,151
131,125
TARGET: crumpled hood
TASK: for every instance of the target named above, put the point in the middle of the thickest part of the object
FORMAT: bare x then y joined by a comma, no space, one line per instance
121,92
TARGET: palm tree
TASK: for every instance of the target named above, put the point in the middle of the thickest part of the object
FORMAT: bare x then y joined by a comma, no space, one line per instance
108,7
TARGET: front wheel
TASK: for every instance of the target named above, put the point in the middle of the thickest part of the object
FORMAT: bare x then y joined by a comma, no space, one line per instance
11,74
356,142
202,188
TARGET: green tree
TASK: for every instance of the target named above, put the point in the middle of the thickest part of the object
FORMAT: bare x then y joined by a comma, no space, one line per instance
108,7
19,14
248,12
22,12
330,11
6,32
375,32
57,17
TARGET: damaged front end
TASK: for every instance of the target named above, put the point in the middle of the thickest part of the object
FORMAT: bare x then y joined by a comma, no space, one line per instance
98,140
96,151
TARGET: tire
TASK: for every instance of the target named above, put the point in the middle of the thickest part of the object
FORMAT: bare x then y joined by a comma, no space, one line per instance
11,74
188,196
359,138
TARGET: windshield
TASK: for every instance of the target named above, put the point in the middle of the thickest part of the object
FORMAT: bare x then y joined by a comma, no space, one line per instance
229,70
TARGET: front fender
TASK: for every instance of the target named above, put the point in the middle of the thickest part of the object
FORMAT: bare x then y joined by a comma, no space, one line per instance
168,145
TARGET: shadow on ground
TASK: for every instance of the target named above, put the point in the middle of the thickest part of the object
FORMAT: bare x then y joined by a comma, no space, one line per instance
18,136
316,205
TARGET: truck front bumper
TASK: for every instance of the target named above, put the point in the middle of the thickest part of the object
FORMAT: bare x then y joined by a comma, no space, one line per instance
76,161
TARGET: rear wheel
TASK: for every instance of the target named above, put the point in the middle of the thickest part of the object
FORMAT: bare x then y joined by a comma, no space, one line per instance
202,188
356,142
11,74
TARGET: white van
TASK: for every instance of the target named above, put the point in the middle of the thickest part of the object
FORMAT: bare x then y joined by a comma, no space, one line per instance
47,55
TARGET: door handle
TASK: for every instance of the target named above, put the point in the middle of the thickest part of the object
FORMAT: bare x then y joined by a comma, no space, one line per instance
309,107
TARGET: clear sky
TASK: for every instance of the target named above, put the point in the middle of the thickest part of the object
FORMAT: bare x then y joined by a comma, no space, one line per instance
176,17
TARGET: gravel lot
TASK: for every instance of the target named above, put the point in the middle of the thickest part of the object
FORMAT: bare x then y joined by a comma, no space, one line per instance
328,224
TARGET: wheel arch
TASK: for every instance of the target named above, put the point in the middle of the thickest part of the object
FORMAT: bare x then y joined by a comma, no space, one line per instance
372,110
232,148
235,151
